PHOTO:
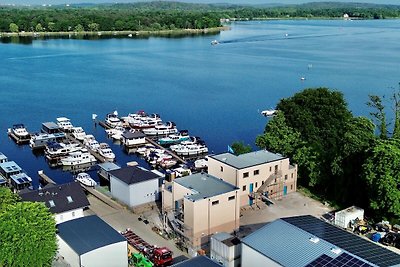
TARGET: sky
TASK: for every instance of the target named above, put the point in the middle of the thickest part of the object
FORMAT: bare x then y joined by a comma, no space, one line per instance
36,2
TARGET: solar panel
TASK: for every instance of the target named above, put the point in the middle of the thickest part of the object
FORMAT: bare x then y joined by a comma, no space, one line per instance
345,240
343,260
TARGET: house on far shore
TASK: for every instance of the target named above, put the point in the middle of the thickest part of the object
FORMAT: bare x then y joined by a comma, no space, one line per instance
259,175
91,242
66,201
134,186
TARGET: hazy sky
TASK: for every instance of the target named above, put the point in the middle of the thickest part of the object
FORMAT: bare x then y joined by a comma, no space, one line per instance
35,2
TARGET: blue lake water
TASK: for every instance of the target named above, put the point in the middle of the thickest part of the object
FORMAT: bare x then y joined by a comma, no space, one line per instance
215,92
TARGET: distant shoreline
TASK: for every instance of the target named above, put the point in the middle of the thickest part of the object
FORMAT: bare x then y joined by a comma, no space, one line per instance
177,32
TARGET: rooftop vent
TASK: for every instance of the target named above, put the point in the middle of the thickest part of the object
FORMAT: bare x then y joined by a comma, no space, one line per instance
314,239
337,251
223,159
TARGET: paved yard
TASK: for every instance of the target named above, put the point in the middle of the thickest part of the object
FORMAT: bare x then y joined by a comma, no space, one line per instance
292,205
121,218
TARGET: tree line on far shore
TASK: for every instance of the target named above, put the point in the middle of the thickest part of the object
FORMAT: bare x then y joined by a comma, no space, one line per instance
169,15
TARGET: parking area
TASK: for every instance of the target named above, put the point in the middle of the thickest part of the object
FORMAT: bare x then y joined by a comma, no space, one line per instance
294,204
122,218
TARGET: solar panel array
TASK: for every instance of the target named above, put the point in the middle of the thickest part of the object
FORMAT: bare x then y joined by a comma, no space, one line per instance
342,239
343,260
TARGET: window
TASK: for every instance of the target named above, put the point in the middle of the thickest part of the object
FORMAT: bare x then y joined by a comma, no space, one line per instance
52,204
222,169
262,182
285,176
73,214
256,184
291,187
244,188
270,169
275,180
271,191
246,174
70,200
292,175
231,198
256,172
215,202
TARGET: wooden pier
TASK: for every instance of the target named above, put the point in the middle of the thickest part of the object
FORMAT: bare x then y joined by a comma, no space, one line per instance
45,178
149,140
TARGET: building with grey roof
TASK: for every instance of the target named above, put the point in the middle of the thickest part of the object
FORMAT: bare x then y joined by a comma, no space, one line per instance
66,201
134,185
91,242
200,205
135,139
308,241
199,261
260,175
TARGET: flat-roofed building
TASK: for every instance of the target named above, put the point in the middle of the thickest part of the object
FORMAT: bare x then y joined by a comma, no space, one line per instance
260,174
200,205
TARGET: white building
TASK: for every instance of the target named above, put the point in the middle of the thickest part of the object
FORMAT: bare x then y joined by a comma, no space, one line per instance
90,242
225,249
66,201
134,186
344,217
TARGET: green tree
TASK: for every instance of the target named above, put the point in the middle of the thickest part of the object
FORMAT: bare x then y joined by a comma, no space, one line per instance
93,27
382,174
396,100
28,235
39,27
379,114
13,27
79,28
240,148
7,198
51,26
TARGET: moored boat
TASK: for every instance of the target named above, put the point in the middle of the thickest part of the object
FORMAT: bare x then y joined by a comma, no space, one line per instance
161,129
65,124
112,120
85,179
190,149
77,158
54,150
78,133
174,138
20,131
106,152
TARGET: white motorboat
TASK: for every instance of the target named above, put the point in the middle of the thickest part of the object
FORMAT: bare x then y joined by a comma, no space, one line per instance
116,130
106,152
269,112
174,138
188,150
65,124
77,158
161,129
201,164
92,144
168,163
78,133
20,131
55,150
85,179
182,171
40,140
214,42
112,120
141,120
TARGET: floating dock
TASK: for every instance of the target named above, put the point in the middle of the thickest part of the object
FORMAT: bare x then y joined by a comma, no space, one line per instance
46,179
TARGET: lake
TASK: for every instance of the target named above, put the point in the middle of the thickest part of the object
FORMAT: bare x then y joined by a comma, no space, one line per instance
215,92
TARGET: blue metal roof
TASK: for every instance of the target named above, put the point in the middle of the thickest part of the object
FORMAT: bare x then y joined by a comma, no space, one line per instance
248,159
88,233
109,166
204,185
289,245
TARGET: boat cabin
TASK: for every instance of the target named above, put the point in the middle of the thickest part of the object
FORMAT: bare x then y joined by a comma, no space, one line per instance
3,158
20,181
130,139
40,140
9,168
52,128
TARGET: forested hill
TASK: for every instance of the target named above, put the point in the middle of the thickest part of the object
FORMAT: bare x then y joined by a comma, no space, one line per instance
163,15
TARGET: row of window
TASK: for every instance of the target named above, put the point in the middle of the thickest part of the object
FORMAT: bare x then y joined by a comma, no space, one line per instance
245,187
216,202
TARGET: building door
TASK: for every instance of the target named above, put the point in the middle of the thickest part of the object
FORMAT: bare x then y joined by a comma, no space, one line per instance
285,190
176,205
251,197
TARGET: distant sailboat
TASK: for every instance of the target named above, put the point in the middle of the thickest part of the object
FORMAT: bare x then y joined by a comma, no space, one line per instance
269,112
